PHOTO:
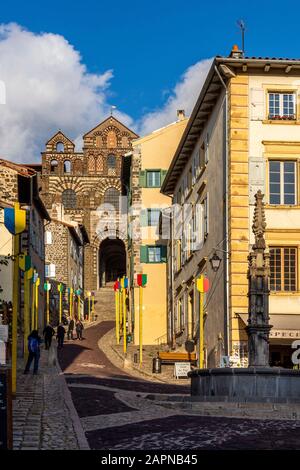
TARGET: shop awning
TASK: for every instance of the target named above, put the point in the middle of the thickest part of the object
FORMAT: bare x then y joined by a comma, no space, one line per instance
284,326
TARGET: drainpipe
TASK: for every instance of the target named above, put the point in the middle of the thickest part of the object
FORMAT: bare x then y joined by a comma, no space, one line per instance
226,222
171,323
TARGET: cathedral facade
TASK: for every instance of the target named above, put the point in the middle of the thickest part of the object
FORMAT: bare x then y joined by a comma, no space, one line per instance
85,187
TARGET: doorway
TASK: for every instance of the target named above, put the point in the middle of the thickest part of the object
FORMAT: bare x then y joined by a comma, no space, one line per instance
112,261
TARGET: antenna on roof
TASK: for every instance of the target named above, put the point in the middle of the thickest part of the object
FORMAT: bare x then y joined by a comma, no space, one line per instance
242,26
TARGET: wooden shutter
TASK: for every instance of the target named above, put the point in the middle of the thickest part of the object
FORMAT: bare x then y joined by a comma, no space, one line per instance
144,254
48,238
144,218
142,179
257,104
51,270
163,253
162,175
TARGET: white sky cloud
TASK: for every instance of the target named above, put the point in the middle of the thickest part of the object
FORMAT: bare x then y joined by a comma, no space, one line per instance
48,87
184,96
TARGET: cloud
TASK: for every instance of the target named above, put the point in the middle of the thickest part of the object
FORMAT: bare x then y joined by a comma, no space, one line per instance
47,87
184,97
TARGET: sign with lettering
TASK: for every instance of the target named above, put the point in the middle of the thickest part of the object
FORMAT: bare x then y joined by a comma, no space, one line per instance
284,333
181,369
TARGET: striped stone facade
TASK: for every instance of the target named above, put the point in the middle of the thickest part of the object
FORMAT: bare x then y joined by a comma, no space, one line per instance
84,177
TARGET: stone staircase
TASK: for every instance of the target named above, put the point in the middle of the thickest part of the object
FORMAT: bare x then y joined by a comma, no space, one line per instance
105,303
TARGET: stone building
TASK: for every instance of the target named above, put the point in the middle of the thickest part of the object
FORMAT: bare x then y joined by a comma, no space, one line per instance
19,183
84,187
64,247
242,137
143,174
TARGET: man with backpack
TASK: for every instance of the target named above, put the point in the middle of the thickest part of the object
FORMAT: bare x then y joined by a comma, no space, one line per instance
34,342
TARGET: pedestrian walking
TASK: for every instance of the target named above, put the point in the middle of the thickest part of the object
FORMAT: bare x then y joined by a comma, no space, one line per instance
60,335
48,333
34,342
79,329
71,328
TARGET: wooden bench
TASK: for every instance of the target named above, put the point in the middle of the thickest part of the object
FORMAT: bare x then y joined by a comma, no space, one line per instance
172,357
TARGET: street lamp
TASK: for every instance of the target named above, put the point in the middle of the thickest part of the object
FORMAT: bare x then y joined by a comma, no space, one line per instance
215,262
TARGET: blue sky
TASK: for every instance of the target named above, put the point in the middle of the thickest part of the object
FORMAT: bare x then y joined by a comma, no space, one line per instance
65,63
149,44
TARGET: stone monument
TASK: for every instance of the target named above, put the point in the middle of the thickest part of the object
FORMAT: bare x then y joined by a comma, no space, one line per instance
258,328
258,382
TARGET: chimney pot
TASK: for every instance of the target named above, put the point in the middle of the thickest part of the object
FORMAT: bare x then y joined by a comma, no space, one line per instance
236,52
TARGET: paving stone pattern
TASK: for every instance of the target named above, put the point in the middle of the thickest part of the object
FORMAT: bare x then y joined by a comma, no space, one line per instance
41,417
116,415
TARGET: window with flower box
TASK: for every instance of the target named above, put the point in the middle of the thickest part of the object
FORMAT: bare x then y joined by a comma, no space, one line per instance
282,106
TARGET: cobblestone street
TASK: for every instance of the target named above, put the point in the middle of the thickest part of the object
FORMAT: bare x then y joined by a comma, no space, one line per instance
115,414
92,403
43,413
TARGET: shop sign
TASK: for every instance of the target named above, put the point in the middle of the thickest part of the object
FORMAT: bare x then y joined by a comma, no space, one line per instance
284,334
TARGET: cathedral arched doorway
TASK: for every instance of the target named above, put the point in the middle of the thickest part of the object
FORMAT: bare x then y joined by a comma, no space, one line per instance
112,260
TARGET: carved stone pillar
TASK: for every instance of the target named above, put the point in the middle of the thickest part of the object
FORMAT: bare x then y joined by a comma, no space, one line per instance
258,328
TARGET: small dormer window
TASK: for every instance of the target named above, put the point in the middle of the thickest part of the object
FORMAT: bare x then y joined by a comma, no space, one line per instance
282,105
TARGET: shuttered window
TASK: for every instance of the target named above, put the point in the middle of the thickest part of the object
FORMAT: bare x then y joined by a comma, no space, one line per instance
153,217
153,254
152,178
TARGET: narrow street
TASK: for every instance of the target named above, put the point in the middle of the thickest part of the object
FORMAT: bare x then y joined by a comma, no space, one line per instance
114,414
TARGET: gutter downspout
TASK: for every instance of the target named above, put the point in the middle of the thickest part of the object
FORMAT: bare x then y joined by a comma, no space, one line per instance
171,326
226,224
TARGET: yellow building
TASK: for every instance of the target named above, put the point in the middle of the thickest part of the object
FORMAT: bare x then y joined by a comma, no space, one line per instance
243,135
6,249
143,174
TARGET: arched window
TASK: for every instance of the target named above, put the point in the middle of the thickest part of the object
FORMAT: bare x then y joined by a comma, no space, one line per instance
111,196
67,166
60,147
69,199
54,166
111,161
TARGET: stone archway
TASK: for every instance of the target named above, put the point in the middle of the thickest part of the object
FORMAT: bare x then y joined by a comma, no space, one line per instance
112,260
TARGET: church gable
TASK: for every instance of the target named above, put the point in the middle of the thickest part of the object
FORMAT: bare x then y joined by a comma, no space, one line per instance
60,143
109,134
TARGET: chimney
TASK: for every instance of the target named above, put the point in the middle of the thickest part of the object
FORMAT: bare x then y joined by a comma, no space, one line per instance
180,114
236,53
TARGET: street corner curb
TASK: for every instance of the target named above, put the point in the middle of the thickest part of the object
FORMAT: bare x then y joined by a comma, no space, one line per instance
130,369
81,439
